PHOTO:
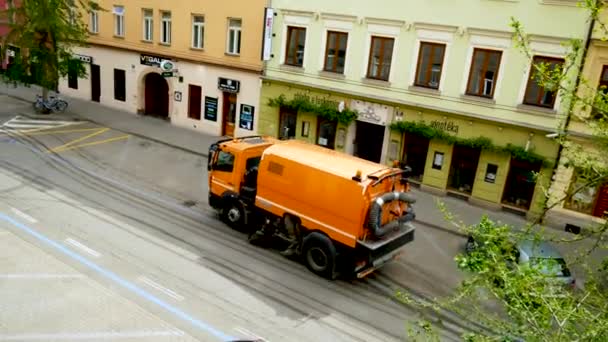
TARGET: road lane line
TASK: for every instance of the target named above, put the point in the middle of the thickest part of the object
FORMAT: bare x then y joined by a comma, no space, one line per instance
40,276
161,288
118,280
96,336
91,143
83,247
100,131
250,334
24,215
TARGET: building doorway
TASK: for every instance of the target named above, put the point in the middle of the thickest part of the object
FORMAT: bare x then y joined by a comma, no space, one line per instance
156,96
228,113
520,185
415,152
369,139
463,169
326,132
288,120
95,83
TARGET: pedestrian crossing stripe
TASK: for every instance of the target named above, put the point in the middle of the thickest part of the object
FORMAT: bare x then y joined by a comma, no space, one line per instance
21,123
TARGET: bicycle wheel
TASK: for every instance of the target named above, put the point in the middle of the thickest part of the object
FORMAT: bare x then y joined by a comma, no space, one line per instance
60,106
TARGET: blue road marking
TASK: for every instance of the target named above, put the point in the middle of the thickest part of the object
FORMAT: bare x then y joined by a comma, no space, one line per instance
117,279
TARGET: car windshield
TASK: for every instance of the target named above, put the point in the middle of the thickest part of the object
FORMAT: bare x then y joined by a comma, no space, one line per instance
555,267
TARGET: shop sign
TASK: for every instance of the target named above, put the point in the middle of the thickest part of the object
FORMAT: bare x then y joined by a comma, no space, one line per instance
167,65
246,117
228,85
317,100
267,40
150,60
210,108
84,59
446,126
371,112
167,73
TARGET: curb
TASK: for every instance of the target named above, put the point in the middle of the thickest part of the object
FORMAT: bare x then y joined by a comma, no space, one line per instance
83,119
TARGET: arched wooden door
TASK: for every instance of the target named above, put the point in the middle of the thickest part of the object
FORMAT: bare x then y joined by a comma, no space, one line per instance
156,95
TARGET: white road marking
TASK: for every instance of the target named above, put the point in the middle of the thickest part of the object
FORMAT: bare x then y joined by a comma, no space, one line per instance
95,336
24,215
83,247
161,288
249,334
19,122
40,276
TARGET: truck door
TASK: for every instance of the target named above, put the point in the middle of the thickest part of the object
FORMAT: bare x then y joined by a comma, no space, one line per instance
222,179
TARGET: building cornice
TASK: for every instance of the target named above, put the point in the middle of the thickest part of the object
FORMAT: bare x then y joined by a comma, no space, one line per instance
386,22
177,55
490,33
296,12
547,39
434,27
390,100
335,16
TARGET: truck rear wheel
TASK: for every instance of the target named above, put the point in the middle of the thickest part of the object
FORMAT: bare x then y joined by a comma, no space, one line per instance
320,255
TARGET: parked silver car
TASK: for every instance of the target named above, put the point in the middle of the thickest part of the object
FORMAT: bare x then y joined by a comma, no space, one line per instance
542,254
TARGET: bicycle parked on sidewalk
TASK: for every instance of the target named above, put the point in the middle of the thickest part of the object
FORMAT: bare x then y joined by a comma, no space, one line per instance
53,105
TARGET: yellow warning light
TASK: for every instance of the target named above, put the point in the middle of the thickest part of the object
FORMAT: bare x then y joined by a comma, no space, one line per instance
358,173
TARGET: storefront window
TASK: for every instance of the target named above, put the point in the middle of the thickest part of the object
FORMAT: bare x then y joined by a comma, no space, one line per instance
326,133
586,198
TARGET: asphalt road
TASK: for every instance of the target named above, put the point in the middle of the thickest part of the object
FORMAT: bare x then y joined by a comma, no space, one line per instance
107,236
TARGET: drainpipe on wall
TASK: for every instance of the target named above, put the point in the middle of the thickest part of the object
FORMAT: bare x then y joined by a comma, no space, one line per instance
578,83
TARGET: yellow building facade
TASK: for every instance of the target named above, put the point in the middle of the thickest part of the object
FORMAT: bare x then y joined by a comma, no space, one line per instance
576,210
195,63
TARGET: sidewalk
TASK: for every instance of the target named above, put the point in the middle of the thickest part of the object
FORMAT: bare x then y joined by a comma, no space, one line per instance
427,211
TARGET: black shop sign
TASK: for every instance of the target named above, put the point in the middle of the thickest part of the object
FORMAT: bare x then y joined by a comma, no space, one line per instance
210,108
228,85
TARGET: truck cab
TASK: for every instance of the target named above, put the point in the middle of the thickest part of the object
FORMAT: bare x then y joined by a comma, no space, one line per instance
232,167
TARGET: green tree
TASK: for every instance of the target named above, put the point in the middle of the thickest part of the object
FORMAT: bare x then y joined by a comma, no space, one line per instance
507,301
45,32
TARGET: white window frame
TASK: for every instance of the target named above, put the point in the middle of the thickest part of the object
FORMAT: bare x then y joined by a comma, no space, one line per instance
147,24
165,21
236,48
94,22
198,27
500,44
432,36
119,21
336,26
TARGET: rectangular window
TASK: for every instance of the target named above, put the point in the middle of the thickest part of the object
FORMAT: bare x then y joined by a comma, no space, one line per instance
72,77
194,102
165,27
119,21
430,65
198,31
296,39
380,57
326,133
600,107
537,94
148,25
120,89
335,51
586,196
484,72
94,22
234,36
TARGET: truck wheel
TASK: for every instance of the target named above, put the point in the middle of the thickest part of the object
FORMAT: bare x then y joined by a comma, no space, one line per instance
320,255
233,213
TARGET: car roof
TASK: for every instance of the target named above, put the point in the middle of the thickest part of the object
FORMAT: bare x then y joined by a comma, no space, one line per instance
539,249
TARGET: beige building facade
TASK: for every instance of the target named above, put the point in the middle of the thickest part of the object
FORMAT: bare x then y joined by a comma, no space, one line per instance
196,64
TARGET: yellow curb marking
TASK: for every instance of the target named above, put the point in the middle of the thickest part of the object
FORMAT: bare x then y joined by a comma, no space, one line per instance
98,132
90,144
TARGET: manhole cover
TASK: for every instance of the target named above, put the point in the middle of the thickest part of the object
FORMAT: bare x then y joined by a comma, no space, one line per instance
189,203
